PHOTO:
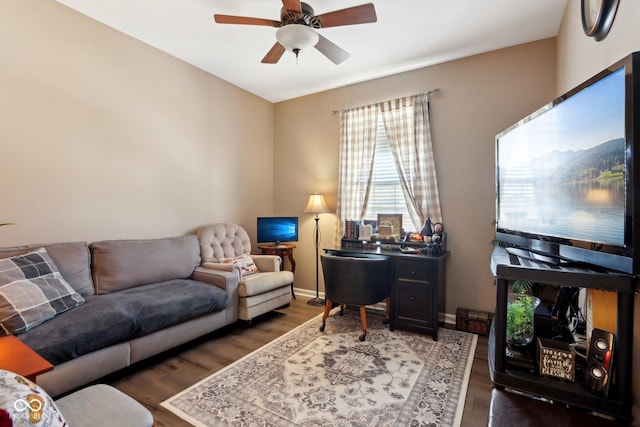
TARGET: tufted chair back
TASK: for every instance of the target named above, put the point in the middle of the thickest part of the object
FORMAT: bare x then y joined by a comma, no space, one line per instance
223,241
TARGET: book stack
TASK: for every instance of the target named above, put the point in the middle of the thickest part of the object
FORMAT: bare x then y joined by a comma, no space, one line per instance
351,229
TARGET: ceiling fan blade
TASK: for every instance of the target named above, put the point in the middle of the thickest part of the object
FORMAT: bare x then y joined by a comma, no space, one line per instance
245,20
274,54
329,49
362,14
292,5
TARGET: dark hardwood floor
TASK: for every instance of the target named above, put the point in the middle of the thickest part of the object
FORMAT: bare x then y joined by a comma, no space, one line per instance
158,378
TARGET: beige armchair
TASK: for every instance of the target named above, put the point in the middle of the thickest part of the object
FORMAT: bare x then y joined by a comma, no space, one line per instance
228,247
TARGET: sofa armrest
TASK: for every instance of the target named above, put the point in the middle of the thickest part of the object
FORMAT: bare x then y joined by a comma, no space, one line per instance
222,275
267,263
225,280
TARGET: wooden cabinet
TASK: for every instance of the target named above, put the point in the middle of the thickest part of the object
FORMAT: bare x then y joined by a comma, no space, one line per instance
506,373
417,294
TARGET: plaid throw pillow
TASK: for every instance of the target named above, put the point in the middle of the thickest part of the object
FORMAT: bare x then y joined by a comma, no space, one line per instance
32,290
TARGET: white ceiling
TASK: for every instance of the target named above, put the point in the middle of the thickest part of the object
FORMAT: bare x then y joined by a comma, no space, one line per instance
409,34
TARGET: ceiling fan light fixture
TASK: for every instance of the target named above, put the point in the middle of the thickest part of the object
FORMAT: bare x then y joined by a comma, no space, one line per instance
296,37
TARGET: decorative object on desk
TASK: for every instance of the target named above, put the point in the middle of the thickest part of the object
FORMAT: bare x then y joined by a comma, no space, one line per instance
426,229
413,237
385,229
316,205
384,239
392,220
520,309
365,232
409,250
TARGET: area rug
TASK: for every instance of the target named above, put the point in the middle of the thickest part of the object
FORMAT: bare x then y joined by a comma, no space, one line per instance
312,378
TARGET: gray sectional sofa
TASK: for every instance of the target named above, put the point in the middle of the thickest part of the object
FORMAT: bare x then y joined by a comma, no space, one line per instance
141,297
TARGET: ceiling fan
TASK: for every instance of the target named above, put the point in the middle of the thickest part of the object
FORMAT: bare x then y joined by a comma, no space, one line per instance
297,28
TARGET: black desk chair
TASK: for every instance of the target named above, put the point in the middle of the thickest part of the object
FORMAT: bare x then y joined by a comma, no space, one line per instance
357,279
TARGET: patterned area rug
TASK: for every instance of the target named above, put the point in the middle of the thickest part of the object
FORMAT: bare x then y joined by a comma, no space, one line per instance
310,378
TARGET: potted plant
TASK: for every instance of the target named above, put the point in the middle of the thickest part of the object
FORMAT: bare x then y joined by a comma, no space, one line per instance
520,310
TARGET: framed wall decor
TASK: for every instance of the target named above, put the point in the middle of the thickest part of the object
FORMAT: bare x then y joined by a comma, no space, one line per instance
393,220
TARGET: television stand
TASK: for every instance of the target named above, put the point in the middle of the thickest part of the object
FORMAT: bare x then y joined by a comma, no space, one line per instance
506,371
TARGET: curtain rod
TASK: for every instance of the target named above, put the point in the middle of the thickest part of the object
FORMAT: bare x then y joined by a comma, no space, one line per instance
429,92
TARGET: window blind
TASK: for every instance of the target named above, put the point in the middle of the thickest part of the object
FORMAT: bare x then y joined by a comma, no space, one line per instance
386,193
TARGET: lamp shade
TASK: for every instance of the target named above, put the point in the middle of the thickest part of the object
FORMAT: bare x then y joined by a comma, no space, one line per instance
316,204
296,37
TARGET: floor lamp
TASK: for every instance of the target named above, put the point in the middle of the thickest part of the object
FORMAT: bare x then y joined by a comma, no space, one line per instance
316,205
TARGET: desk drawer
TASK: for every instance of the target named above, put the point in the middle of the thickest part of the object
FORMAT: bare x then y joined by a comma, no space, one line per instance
412,270
413,306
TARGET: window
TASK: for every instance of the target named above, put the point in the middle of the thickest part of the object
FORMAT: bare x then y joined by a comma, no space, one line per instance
386,196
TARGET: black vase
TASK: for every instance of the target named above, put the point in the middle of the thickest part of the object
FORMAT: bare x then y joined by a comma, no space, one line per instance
426,229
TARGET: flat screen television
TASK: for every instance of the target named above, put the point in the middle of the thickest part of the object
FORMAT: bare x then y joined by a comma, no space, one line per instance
277,229
565,179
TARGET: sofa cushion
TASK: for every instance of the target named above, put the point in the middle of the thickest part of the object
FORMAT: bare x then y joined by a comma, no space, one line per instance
32,290
72,259
160,305
107,319
122,264
100,322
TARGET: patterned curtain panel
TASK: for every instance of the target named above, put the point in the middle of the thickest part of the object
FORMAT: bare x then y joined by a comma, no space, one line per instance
406,122
357,145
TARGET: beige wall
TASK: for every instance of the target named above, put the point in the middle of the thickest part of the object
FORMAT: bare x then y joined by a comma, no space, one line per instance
479,96
580,57
103,137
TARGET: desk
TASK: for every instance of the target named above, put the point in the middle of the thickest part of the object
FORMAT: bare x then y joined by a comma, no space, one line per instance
417,288
282,250
16,356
